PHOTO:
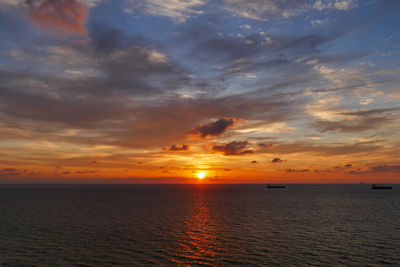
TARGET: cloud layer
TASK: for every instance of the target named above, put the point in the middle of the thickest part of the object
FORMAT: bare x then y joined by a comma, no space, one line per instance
167,88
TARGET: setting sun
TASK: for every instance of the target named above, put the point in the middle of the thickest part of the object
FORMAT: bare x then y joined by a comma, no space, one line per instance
200,175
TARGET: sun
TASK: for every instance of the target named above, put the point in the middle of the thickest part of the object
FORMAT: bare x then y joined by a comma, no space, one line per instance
200,175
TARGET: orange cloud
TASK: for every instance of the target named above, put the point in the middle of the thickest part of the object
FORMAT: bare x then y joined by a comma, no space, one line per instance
66,15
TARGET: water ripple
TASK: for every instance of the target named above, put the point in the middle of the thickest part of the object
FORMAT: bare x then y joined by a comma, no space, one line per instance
198,226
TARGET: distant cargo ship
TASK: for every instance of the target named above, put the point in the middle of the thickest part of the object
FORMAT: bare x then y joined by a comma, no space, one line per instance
380,187
275,186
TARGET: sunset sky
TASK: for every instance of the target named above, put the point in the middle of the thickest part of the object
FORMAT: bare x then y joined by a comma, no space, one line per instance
163,91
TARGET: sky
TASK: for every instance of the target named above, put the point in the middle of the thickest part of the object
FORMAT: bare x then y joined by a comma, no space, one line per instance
163,91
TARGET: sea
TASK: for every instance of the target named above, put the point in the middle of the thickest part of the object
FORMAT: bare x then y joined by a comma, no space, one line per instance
199,225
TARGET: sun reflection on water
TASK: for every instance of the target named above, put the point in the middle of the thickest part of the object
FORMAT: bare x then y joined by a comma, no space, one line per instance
200,243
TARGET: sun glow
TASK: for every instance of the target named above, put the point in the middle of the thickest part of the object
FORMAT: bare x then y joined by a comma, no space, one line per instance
200,175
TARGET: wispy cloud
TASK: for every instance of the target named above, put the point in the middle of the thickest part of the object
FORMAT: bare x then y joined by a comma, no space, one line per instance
179,10
334,4
271,9
297,170
386,168
357,121
263,9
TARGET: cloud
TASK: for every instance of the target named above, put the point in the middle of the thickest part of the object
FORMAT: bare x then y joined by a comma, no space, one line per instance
297,170
213,128
68,110
263,9
356,121
86,111
68,16
125,91
7,170
358,172
233,148
276,160
377,168
179,10
343,5
117,103
272,9
317,22
334,4
250,55
91,3
386,168
245,27
11,172
177,148
86,172
10,2
122,69
265,146
326,149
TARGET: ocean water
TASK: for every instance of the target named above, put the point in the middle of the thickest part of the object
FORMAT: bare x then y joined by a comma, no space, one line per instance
190,225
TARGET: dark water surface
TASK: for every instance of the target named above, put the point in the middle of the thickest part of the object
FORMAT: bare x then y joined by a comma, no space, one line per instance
321,225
